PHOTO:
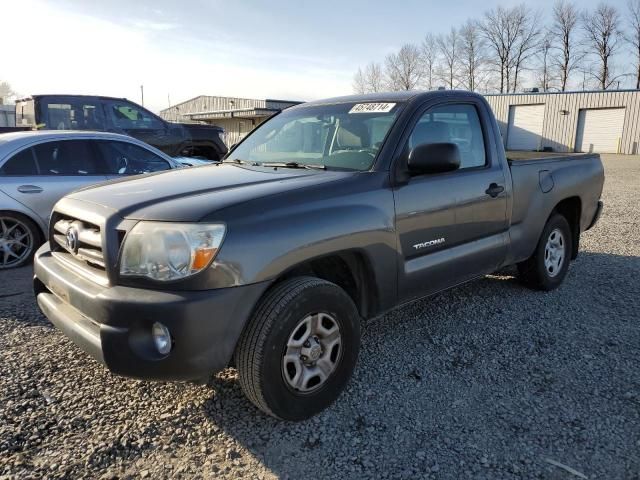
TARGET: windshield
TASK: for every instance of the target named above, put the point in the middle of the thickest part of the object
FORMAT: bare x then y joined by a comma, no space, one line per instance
343,136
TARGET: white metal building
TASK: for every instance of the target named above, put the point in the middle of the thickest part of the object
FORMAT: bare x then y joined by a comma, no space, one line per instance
7,115
238,116
598,121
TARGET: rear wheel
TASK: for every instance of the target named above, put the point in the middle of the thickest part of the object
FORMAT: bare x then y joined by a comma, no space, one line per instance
547,267
299,349
19,239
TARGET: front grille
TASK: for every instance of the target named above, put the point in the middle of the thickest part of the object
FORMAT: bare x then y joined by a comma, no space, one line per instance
81,239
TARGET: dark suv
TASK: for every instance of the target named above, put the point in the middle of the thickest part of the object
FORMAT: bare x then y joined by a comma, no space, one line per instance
119,115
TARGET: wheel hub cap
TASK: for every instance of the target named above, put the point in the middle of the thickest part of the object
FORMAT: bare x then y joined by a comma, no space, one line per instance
554,253
311,350
312,353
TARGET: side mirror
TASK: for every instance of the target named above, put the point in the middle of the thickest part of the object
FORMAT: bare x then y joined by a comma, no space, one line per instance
434,158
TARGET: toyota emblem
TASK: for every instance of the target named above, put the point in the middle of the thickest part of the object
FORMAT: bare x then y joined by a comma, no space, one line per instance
72,239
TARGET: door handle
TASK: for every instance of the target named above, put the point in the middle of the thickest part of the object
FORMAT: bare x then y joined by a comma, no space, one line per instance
29,189
494,190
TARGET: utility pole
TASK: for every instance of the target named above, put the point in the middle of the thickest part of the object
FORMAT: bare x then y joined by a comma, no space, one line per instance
168,100
142,94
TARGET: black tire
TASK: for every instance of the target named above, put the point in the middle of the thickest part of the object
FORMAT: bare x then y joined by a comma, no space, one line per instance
534,272
260,351
34,237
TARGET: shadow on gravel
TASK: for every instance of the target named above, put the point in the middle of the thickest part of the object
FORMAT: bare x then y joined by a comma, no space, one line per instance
16,298
490,372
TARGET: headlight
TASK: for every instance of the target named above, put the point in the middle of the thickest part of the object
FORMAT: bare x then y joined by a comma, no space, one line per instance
169,251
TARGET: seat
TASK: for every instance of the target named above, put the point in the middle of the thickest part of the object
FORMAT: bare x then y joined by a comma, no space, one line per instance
430,132
352,135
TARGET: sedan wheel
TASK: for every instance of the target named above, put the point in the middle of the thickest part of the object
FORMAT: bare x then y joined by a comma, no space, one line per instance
17,241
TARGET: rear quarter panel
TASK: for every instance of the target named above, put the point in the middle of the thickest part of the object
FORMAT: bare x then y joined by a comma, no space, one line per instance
580,176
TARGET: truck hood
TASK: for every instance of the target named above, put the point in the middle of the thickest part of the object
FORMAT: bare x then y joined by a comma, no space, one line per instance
189,194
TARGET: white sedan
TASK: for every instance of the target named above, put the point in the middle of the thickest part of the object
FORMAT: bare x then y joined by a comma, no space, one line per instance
39,168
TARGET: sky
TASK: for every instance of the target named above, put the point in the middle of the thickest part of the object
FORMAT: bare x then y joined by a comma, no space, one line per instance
178,49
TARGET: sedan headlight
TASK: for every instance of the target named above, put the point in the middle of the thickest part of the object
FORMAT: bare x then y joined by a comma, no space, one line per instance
169,251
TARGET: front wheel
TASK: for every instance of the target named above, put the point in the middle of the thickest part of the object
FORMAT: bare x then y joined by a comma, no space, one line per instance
547,267
19,239
300,348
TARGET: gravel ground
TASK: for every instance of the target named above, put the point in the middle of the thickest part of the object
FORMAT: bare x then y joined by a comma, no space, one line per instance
489,380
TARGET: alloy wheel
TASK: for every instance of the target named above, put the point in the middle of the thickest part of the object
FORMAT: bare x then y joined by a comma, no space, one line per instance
16,242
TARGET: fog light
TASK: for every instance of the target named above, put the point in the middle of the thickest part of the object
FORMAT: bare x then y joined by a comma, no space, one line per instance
161,338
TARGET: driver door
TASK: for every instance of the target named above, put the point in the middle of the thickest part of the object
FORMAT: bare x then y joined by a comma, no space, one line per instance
451,229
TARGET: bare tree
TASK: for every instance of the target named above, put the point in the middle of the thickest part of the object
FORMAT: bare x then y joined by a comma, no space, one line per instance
472,55
404,69
430,57
526,22
368,80
634,35
359,82
6,92
501,35
602,30
545,76
449,46
374,77
563,30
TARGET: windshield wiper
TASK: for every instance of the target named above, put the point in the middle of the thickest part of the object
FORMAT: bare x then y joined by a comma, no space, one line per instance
309,166
239,161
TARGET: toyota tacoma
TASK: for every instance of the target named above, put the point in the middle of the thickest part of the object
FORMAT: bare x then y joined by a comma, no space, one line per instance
328,214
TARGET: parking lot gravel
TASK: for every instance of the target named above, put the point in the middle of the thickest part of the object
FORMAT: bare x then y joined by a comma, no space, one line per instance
489,380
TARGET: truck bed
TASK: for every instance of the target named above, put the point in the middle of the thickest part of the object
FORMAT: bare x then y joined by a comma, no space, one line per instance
528,155
541,182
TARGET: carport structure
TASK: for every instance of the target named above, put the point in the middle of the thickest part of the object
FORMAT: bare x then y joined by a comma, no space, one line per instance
590,121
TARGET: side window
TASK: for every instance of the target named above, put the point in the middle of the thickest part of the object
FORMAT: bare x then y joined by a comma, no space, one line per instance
457,124
123,158
129,116
22,163
68,157
74,115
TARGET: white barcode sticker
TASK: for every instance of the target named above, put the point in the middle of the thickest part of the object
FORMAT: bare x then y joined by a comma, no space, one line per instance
372,107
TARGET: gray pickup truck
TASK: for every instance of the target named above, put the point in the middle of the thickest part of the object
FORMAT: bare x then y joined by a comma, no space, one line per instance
329,213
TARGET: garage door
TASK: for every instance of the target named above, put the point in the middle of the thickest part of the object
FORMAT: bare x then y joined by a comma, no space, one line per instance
525,127
599,130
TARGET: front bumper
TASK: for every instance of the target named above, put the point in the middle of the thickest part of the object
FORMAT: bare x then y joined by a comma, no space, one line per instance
113,323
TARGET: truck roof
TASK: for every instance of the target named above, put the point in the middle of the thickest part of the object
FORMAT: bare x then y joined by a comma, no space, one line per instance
402,96
63,95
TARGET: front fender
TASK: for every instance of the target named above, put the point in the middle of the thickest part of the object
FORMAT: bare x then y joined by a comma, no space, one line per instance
263,244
